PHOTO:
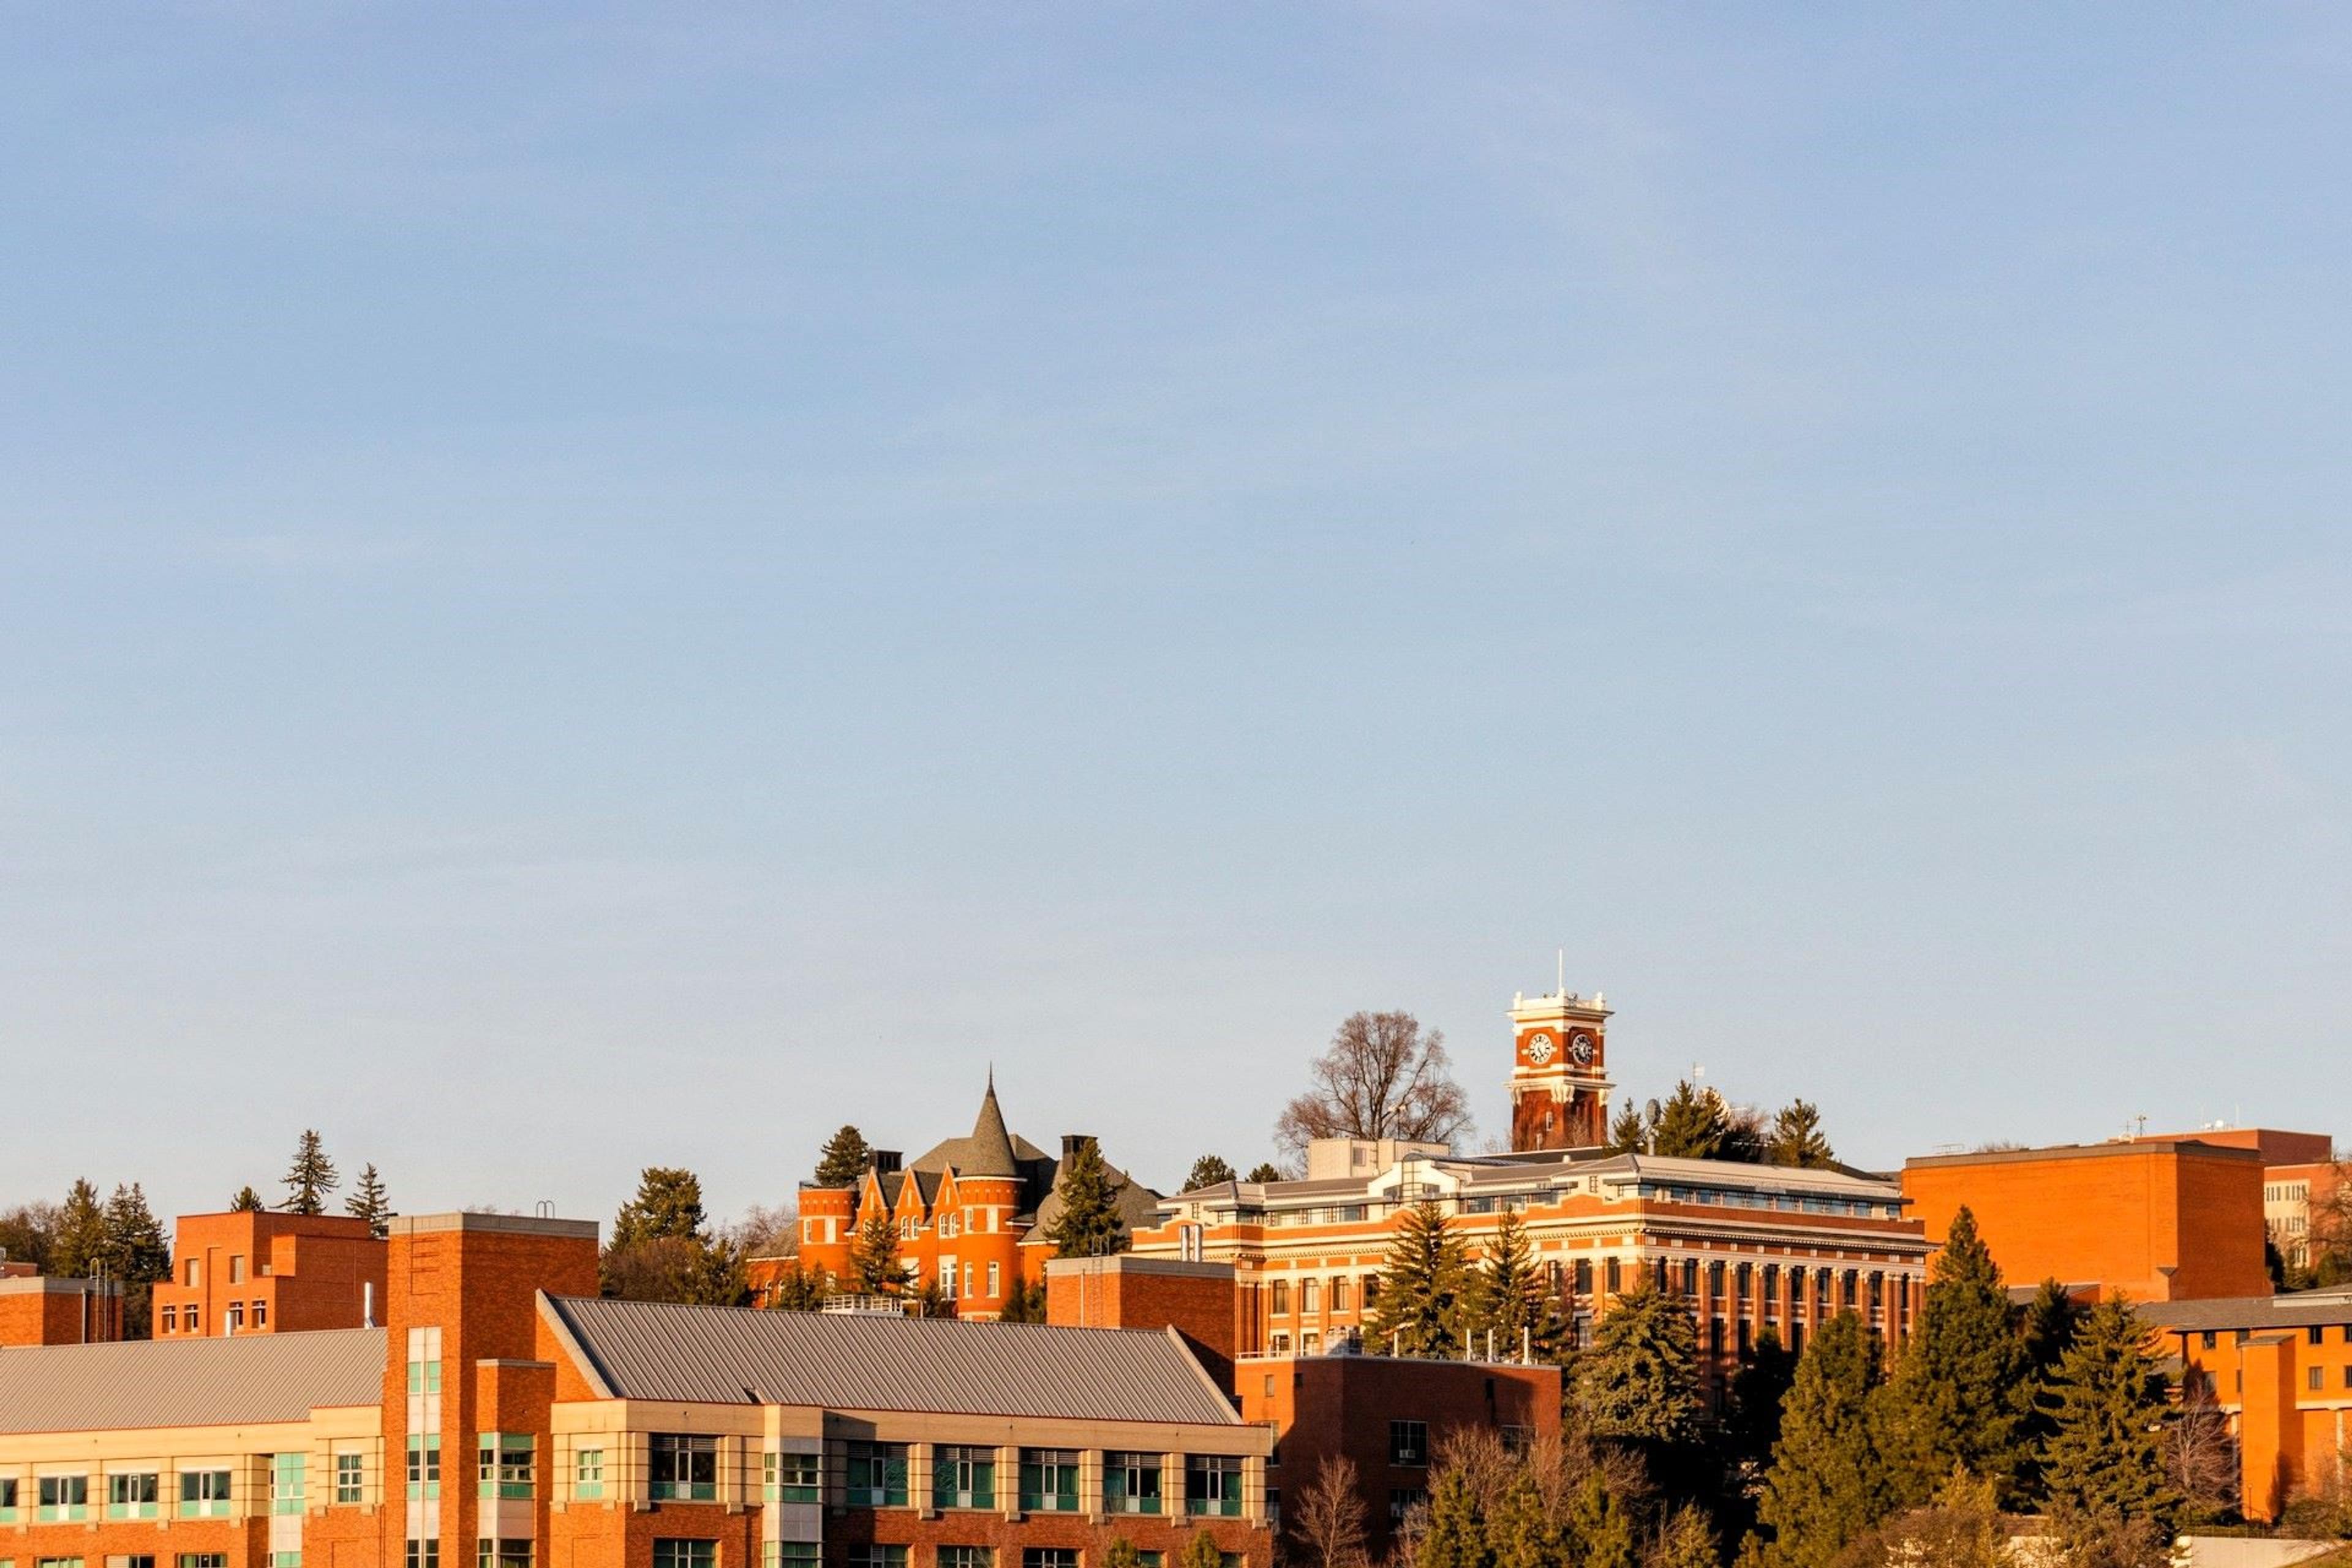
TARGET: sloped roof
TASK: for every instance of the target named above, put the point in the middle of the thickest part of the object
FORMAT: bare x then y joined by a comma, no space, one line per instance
989,1151
1138,1205
206,1382
2294,1310
733,1355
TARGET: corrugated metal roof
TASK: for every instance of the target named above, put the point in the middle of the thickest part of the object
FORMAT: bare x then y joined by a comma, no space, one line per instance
188,1383
712,1355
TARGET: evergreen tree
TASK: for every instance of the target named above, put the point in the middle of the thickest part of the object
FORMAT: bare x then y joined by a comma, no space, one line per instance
1510,1297
1757,1389
1457,1536
246,1201
311,1176
369,1203
668,1204
1599,1530
1522,1533
931,1299
1024,1303
1687,1541
1422,1280
661,1248
80,1246
1828,1481
1796,1139
874,1265
2104,1460
1263,1171
1629,1133
1955,1400
1640,1378
842,1158
1208,1171
1690,1125
2044,1336
799,1290
1201,1552
135,1249
1090,1224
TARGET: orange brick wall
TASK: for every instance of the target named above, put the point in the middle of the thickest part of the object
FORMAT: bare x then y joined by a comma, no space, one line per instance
320,1270
49,1316
1132,1293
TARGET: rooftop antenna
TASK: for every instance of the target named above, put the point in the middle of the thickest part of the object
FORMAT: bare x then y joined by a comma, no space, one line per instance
1561,984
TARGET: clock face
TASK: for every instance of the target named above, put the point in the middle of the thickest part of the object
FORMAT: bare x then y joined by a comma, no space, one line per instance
1579,1048
1539,1047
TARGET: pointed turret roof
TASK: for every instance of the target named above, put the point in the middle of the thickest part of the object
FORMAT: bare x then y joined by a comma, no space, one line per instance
989,1151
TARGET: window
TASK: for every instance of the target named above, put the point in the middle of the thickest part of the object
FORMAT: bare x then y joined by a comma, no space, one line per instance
1408,1442
505,1465
170,1325
195,1271
2315,1379
793,1478
505,1552
57,1562
2209,1337
791,1554
674,1554
131,1496
995,1286
422,1555
2315,1335
2347,1377
1310,1296
877,1475
348,1477
203,1560
261,1314
204,1494
236,1316
236,1269
64,1498
1280,1302
286,1560
877,1557
1371,1290
967,1557
1130,1483
1212,1484
685,1468
1048,1557
963,1477
7,1499
425,1465
142,1560
1049,1480
286,1483
1615,1275
588,1473
1402,1500
1339,1293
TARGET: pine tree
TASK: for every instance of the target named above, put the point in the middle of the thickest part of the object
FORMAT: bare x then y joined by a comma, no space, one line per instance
1955,1399
1828,1481
1024,1303
311,1176
135,1249
1422,1280
1686,1542
80,1246
1757,1390
1598,1530
1522,1533
1201,1552
1510,1299
668,1204
1629,1133
1457,1536
1640,1378
662,1250
2104,1460
246,1201
1263,1171
1796,1139
799,1290
1208,1171
874,1263
842,1158
1690,1125
1090,1224
369,1203
2045,1335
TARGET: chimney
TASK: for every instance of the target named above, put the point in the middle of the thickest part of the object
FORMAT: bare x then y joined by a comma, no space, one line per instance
883,1161
1070,1142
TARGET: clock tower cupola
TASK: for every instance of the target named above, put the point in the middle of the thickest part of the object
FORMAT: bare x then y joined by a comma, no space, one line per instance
1560,1081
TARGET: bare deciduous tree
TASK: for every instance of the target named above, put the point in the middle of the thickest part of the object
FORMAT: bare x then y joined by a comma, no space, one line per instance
1327,1521
2201,1455
1382,1077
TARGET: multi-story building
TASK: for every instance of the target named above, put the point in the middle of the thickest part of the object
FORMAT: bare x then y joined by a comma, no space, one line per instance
2154,1219
262,1272
971,1214
2300,1175
38,1308
2280,1367
1750,1246
505,1413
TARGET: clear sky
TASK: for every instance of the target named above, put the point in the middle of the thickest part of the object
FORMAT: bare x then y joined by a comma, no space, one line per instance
582,588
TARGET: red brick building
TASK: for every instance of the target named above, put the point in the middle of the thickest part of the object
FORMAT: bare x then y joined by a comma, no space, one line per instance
262,1272
2281,1368
971,1214
44,1310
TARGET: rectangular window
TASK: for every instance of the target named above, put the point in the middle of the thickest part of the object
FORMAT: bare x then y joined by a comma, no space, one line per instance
424,1466
139,1560
1402,1500
65,1499
236,1269
1212,1484
794,1478
286,1483
1132,1483
1048,1557
1049,1480
196,1272
588,1473
2315,1335
350,1475
285,1560
877,1475
2317,1379
1280,1306
7,1499
508,1552
967,1557
505,1465
685,1469
261,1314
791,1554
963,1477
171,1323
57,1563
422,1555
236,1316
133,1496
1408,1442
674,1554
204,1494
203,1560
995,1285
877,1557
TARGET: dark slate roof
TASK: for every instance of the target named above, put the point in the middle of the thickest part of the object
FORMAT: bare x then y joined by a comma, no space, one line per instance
2296,1310
207,1382
730,1355
990,1151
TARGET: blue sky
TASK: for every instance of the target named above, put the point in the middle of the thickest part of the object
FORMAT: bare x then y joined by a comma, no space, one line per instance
587,587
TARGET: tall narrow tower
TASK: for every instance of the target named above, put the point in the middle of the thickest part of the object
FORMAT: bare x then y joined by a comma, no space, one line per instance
1560,1083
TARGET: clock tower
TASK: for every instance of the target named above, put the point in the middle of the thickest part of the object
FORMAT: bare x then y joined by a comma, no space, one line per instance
1560,1083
